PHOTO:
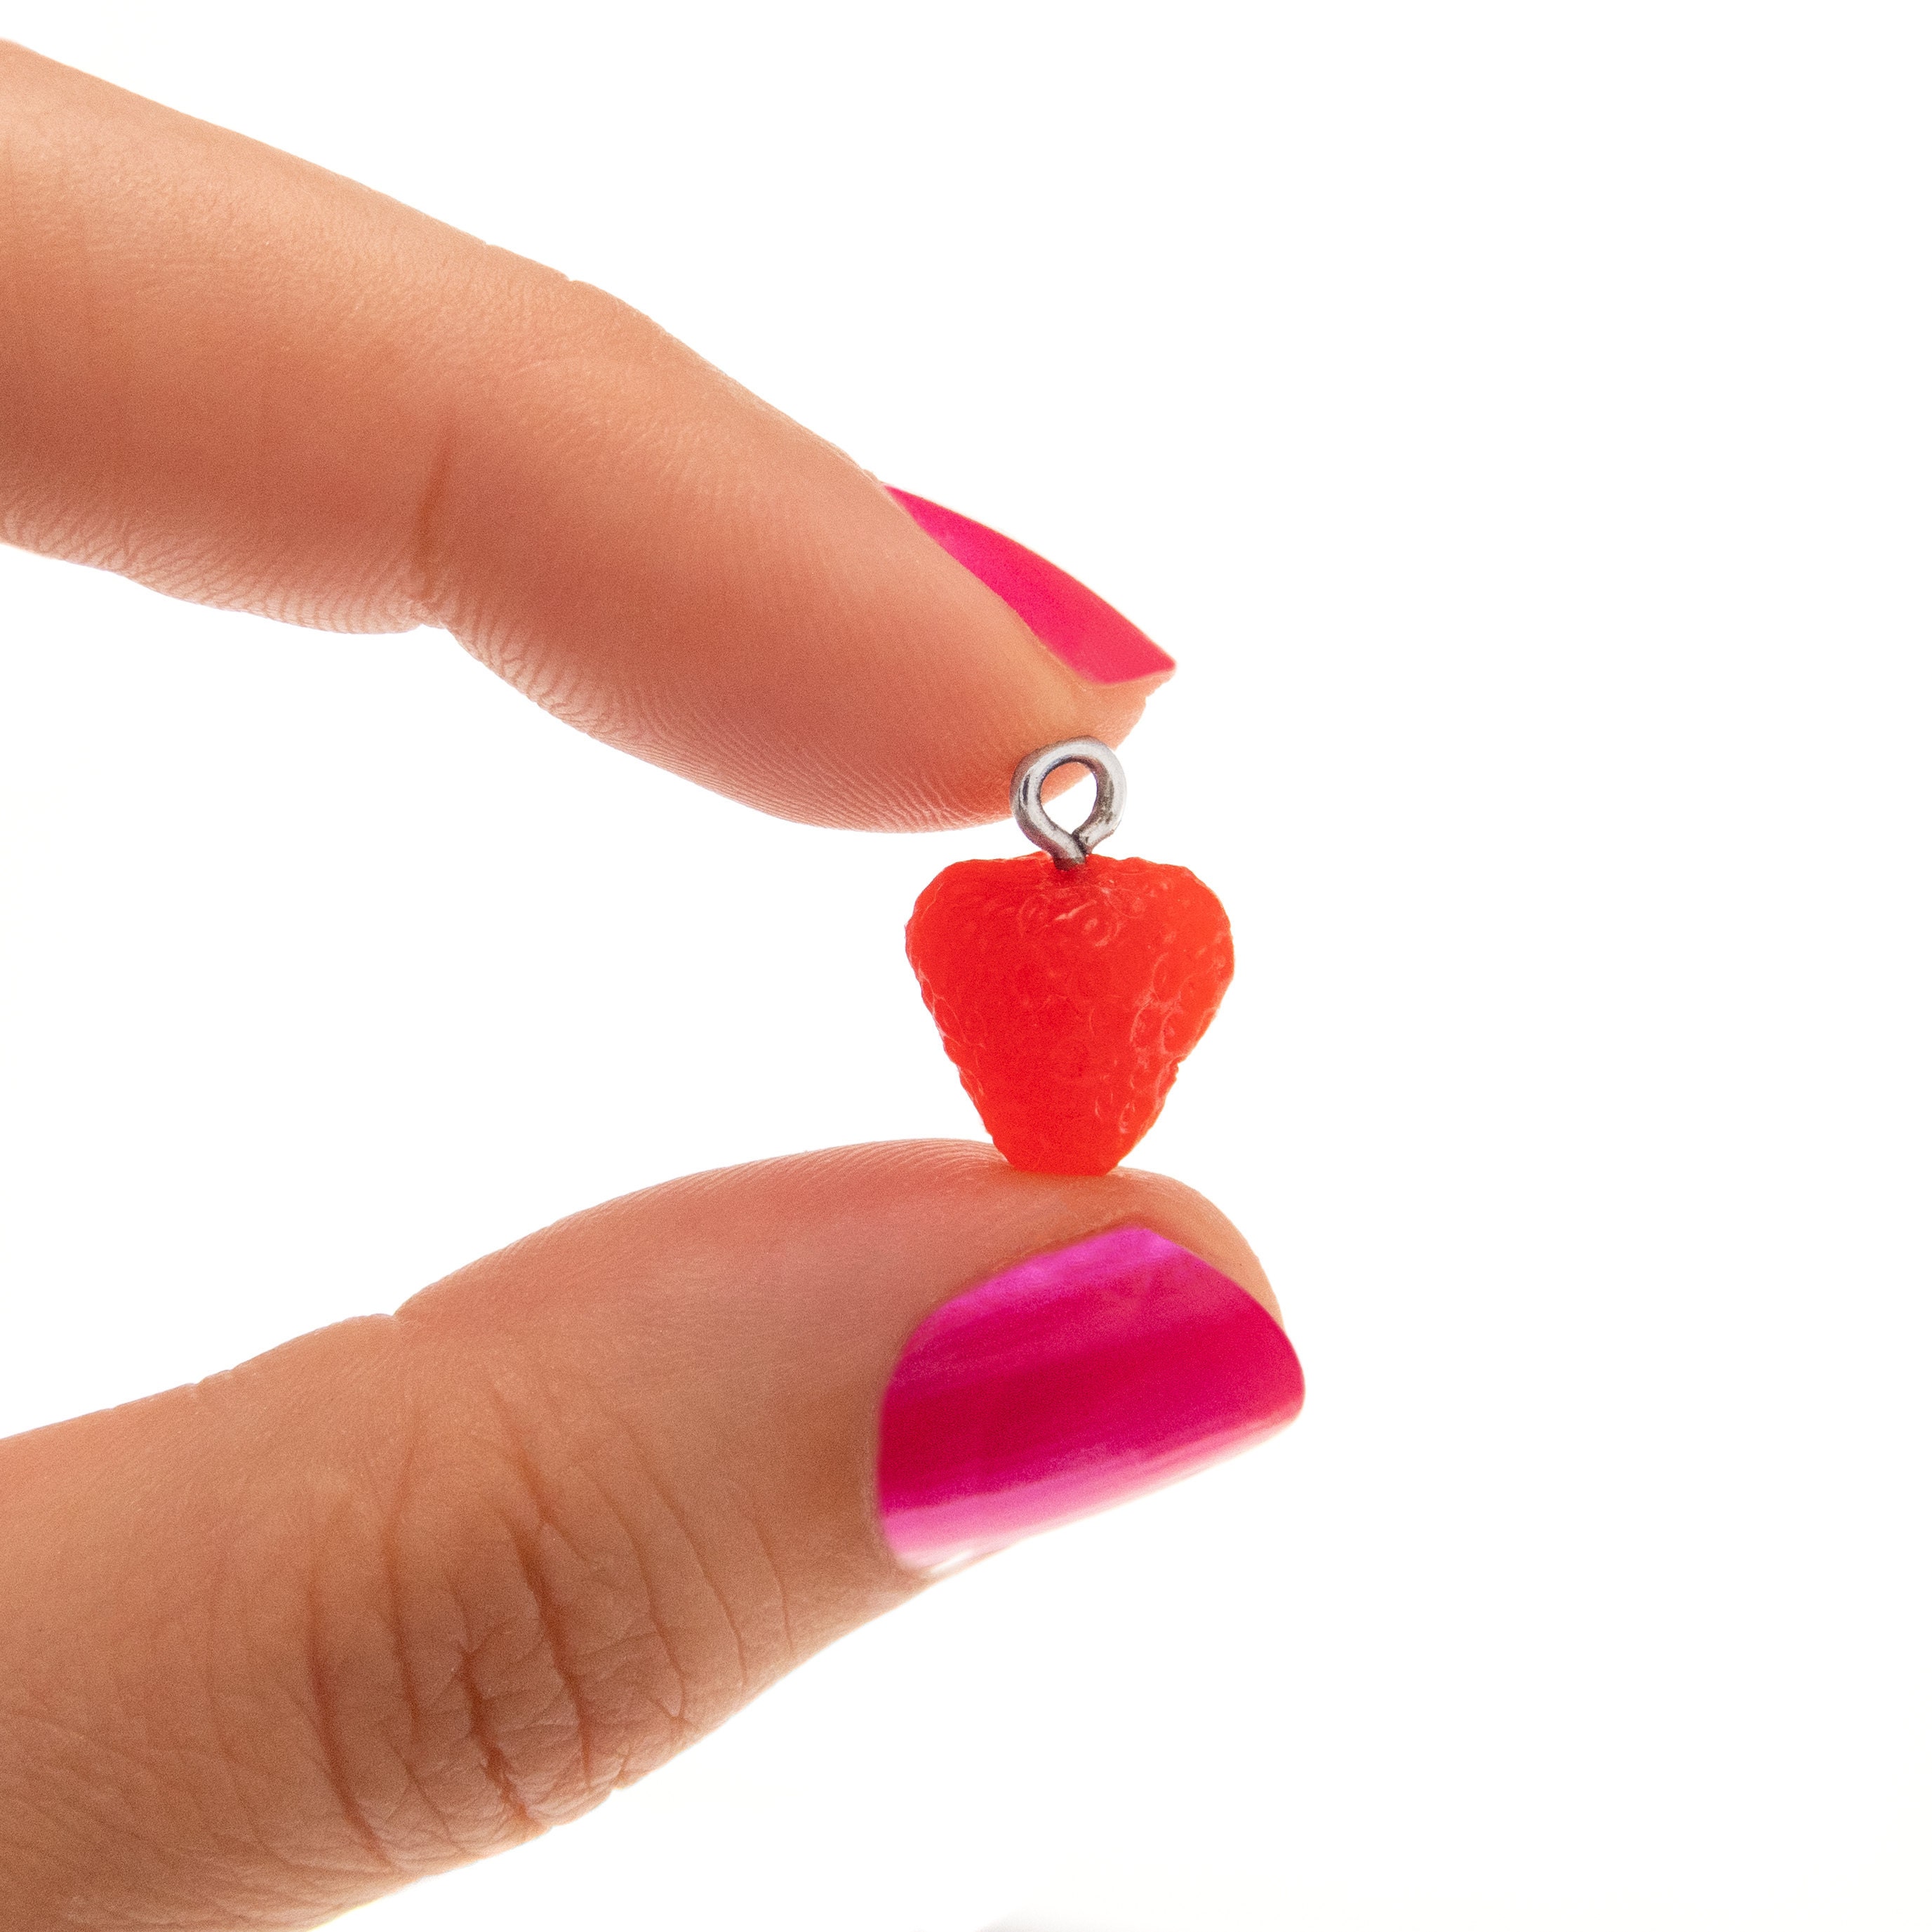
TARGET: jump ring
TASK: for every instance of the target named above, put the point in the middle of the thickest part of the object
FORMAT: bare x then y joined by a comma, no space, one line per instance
1069,849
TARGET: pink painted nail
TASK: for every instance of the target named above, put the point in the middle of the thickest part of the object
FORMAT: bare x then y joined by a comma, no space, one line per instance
1068,1383
1080,629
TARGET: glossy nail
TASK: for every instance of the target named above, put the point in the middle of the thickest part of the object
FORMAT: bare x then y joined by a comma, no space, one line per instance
1081,630
1068,1383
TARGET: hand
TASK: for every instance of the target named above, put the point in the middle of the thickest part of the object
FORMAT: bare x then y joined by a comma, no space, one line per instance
408,1589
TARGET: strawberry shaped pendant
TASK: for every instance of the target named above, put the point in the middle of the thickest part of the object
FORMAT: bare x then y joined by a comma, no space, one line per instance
1068,988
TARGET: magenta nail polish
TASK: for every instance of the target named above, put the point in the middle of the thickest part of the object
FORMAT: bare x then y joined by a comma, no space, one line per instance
1081,630
1070,1383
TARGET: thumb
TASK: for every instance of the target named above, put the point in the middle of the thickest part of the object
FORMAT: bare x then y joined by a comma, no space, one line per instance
412,1589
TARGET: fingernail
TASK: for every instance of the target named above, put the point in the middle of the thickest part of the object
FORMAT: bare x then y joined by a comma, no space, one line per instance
1067,1384
1080,629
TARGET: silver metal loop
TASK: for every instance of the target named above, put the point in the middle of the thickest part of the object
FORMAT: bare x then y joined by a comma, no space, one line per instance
1069,849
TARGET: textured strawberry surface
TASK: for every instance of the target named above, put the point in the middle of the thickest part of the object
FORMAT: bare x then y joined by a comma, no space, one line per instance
1068,1000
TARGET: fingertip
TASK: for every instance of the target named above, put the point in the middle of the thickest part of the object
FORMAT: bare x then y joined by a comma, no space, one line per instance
313,403
1076,1378
1080,627
760,617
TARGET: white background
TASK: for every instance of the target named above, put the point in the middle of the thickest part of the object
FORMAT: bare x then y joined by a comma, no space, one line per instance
1515,419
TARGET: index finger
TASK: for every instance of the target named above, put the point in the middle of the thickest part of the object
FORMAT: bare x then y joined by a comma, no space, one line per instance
239,379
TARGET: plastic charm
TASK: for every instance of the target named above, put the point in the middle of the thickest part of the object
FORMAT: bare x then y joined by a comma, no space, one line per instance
1068,988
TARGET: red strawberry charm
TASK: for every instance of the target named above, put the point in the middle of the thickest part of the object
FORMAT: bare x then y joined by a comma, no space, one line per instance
1068,990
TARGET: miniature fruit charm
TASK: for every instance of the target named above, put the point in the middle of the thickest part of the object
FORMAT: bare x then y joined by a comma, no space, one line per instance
1067,992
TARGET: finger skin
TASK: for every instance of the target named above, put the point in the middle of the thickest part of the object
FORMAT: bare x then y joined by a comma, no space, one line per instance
241,380
412,1589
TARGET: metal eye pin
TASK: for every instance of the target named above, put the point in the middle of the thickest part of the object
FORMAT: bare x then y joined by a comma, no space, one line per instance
1069,849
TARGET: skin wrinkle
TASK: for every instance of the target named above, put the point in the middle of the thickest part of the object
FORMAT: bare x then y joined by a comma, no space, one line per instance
426,1769
415,1641
494,1764
567,1658
541,1594
409,1755
426,596
327,1722
675,1714
389,1542
353,1848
